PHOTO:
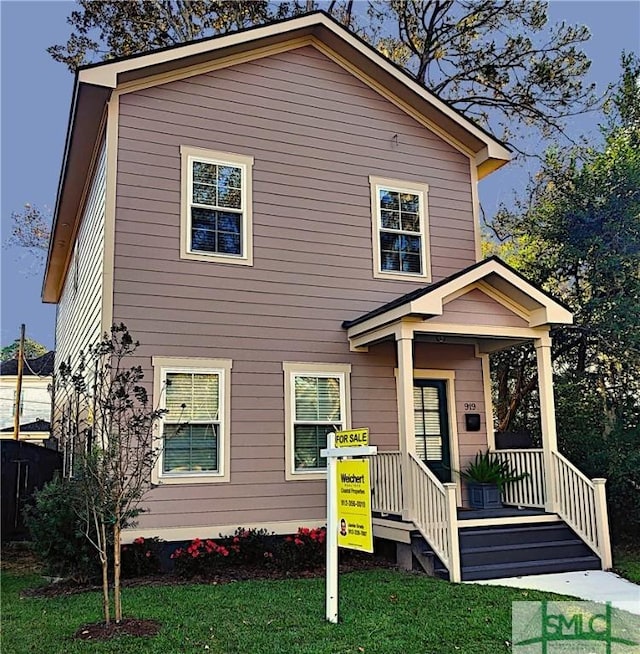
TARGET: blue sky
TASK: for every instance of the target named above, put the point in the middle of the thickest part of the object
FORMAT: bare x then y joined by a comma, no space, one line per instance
34,106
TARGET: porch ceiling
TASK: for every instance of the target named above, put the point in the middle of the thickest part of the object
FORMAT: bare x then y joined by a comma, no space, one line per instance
515,310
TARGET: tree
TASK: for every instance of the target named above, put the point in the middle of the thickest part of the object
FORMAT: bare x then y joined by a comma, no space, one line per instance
104,30
578,234
497,61
30,229
32,349
105,424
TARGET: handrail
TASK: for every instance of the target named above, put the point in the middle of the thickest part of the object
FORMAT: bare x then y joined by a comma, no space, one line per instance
530,491
581,503
386,482
434,513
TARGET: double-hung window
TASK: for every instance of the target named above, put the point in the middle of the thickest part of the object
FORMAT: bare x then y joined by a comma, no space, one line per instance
216,206
400,229
317,403
195,427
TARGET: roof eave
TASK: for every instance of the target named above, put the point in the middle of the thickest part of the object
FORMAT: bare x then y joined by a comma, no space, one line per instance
489,152
86,118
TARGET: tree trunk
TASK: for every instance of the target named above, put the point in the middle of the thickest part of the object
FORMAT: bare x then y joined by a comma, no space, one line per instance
104,563
117,599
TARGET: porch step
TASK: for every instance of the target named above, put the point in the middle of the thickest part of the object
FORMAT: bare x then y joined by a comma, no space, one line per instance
513,551
499,570
513,534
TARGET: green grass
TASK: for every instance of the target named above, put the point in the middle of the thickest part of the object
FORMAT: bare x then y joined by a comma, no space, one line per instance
626,562
382,611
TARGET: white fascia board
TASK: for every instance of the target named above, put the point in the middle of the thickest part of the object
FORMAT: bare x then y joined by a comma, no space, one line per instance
107,73
431,304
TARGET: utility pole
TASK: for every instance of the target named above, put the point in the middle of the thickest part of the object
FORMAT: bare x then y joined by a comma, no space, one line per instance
16,418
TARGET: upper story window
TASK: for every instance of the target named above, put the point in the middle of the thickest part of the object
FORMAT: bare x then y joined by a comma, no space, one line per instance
216,206
400,229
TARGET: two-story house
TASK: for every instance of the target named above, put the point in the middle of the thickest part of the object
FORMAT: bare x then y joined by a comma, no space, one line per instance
288,223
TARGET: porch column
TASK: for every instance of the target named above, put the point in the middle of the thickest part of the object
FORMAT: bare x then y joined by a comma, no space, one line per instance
404,339
547,418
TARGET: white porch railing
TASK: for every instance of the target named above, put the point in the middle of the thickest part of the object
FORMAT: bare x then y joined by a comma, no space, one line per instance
434,512
581,503
432,507
530,491
386,481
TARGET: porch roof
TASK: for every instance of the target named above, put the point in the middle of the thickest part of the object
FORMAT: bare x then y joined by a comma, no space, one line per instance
538,308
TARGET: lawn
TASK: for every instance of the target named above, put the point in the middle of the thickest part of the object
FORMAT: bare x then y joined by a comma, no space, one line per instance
626,562
382,611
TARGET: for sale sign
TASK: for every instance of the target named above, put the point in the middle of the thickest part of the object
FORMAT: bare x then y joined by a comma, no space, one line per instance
355,530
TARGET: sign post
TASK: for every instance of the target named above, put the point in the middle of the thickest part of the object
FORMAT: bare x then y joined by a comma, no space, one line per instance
347,481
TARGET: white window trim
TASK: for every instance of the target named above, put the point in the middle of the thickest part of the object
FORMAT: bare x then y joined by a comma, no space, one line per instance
294,368
162,365
190,154
376,183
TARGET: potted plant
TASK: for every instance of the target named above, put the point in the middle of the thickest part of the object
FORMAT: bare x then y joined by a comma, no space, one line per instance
486,476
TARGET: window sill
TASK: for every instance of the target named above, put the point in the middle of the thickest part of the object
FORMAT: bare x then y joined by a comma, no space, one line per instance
191,479
316,475
217,258
403,277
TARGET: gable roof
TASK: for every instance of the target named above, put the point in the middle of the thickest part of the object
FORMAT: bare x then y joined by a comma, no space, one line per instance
94,84
41,366
429,300
38,425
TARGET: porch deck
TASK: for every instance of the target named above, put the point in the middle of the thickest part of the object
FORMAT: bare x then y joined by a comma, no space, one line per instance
504,512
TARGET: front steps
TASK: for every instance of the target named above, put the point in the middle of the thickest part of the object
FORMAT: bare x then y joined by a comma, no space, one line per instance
506,550
526,549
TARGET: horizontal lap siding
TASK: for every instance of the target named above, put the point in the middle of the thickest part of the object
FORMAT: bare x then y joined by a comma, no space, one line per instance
78,321
476,308
316,134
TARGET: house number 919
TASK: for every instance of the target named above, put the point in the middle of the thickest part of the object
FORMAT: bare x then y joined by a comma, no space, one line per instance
469,406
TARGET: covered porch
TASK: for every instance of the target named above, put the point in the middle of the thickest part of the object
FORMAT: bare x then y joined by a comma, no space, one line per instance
487,307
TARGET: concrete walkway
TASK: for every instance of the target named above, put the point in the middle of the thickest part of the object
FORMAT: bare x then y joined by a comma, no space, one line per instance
592,585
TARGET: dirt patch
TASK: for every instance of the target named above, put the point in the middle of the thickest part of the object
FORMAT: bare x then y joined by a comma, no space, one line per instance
225,576
98,631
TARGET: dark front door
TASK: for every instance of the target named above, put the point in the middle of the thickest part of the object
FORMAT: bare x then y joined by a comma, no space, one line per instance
432,426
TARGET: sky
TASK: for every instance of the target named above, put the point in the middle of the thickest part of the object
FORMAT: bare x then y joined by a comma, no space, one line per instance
35,95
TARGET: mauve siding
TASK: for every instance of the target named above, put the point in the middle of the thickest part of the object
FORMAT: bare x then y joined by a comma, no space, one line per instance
477,308
316,134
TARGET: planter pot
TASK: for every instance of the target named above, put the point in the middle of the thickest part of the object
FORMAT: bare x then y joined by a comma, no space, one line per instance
484,496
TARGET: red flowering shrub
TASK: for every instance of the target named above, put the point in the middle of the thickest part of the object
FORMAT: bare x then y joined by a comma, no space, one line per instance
252,546
304,550
200,557
141,558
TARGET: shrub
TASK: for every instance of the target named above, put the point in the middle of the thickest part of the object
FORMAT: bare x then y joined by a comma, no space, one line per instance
142,557
304,550
252,546
200,557
57,532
